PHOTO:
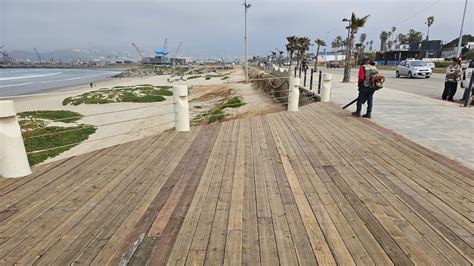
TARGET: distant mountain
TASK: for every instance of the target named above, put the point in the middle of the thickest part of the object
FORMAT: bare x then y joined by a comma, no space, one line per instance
69,55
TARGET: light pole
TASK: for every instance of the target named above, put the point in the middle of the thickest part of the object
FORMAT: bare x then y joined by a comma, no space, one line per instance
246,6
327,40
347,69
460,33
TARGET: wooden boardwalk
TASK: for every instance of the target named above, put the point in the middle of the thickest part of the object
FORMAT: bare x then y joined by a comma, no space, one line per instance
312,187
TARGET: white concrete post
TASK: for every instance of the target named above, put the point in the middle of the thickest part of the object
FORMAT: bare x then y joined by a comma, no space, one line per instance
293,94
13,158
326,87
181,108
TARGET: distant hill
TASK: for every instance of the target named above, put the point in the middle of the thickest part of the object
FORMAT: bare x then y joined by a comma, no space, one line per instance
68,55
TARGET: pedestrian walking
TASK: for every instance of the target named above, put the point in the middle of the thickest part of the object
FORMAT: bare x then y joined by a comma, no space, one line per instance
453,73
366,90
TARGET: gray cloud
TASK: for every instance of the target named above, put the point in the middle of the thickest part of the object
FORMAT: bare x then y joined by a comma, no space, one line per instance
210,27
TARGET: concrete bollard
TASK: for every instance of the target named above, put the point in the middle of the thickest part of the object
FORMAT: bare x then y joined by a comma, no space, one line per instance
293,94
181,108
13,158
326,87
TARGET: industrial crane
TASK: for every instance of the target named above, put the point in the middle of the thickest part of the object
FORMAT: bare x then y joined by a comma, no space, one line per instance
165,45
38,56
142,56
177,50
6,59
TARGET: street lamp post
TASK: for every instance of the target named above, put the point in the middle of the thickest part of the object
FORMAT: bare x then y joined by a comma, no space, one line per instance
347,61
458,54
246,6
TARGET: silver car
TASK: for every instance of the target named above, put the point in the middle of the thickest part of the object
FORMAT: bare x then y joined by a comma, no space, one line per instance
414,69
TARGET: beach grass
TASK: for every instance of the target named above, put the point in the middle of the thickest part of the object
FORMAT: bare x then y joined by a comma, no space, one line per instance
51,133
235,102
218,114
136,94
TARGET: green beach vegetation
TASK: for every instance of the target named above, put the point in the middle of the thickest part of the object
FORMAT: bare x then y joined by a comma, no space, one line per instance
52,131
218,114
137,94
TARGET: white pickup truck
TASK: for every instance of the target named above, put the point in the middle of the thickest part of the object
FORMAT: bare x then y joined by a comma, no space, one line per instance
467,74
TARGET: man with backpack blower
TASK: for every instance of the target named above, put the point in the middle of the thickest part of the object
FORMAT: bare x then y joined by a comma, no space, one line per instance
369,81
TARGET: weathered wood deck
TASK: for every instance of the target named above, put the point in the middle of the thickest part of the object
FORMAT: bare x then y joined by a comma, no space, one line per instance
313,187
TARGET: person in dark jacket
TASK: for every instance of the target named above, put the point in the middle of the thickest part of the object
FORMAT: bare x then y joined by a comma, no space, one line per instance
366,92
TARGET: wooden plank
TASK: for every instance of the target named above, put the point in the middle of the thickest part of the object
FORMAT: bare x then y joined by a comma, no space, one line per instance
396,254
301,243
203,229
348,249
233,243
439,162
250,242
375,190
392,221
8,185
156,206
127,183
286,251
111,247
313,228
29,221
77,203
218,233
305,175
310,149
417,153
421,192
183,242
148,175
266,236
167,239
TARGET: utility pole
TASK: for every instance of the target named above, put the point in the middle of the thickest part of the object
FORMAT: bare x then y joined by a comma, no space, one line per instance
460,34
246,63
347,67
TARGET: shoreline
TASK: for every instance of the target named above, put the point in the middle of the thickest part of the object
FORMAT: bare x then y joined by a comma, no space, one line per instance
64,88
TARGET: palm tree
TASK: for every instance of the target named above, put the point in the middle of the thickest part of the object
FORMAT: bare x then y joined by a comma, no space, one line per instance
383,40
371,45
429,22
319,43
303,44
337,44
362,38
359,47
414,36
355,24
402,38
291,47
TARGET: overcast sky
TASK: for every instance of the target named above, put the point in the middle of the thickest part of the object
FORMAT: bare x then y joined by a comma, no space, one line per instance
212,28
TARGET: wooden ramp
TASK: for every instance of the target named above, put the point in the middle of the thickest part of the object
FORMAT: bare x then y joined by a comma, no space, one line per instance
312,187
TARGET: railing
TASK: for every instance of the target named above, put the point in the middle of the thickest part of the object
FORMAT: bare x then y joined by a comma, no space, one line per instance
13,155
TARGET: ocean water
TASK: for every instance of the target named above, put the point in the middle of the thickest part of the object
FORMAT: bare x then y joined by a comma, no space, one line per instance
30,81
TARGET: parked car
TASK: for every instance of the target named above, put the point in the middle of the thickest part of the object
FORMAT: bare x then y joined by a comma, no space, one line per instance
414,69
467,74
332,64
431,64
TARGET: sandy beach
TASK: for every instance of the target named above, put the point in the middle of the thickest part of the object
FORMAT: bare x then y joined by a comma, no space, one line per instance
122,122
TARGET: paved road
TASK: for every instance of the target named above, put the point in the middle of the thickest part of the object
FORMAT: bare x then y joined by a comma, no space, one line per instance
431,88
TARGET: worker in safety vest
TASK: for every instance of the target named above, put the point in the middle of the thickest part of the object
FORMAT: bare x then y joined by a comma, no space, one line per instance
366,92
453,74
